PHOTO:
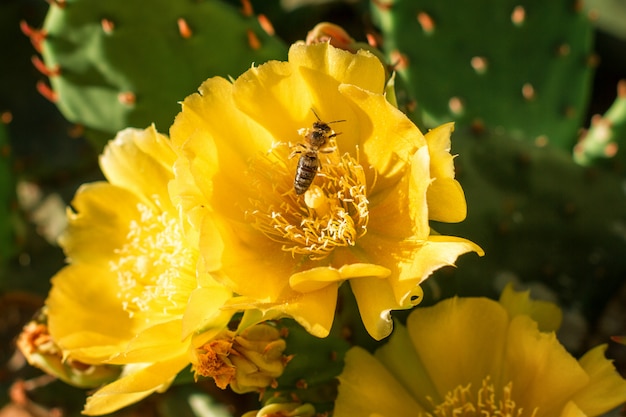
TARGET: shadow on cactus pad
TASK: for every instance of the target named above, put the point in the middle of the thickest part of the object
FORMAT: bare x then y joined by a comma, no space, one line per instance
539,217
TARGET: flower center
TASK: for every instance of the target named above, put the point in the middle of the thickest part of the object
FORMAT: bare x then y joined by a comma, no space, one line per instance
463,402
332,211
155,269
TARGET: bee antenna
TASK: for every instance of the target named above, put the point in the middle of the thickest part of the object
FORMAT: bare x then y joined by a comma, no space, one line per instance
315,113
320,120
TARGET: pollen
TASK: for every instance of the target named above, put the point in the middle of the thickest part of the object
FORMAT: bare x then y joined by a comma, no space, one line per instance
488,401
332,213
315,199
155,270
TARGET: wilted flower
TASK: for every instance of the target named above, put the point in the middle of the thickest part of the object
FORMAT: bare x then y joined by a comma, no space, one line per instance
132,294
249,361
283,234
474,356
40,350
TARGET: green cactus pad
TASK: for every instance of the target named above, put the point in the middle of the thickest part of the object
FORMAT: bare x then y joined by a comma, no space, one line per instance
521,66
304,379
120,63
606,138
539,217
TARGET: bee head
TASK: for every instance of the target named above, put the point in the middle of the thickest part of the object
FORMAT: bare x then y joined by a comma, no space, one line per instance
321,127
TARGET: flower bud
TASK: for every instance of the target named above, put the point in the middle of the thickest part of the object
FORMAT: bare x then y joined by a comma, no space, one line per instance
40,350
247,362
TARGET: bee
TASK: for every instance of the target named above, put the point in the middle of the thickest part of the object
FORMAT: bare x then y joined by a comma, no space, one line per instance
315,141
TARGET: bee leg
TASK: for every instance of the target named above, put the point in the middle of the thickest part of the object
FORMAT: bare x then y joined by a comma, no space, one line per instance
297,149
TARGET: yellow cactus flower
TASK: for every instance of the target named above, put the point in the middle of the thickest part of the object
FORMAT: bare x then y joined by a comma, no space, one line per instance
305,177
132,294
478,357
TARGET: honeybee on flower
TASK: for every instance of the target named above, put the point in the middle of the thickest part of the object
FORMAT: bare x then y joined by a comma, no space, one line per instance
364,218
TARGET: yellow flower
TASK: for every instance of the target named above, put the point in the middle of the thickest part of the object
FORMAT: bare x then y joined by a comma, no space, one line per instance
131,295
284,245
477,357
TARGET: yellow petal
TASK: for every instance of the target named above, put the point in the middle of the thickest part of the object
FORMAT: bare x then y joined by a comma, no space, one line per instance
289,90
251,264
411,262
127,165
85,317
572,410
533,356
212,240
218,185
460,341
446,200
275,97
316,278
606,389
213,111
359,270
154,144
154,344
388,144
185,191
439,145
204,310
436,252
218,166
138,384
375,299
547,315
95,216
373,306
361,69
405,364
315,310
367,389
201,163
253,316
401,211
